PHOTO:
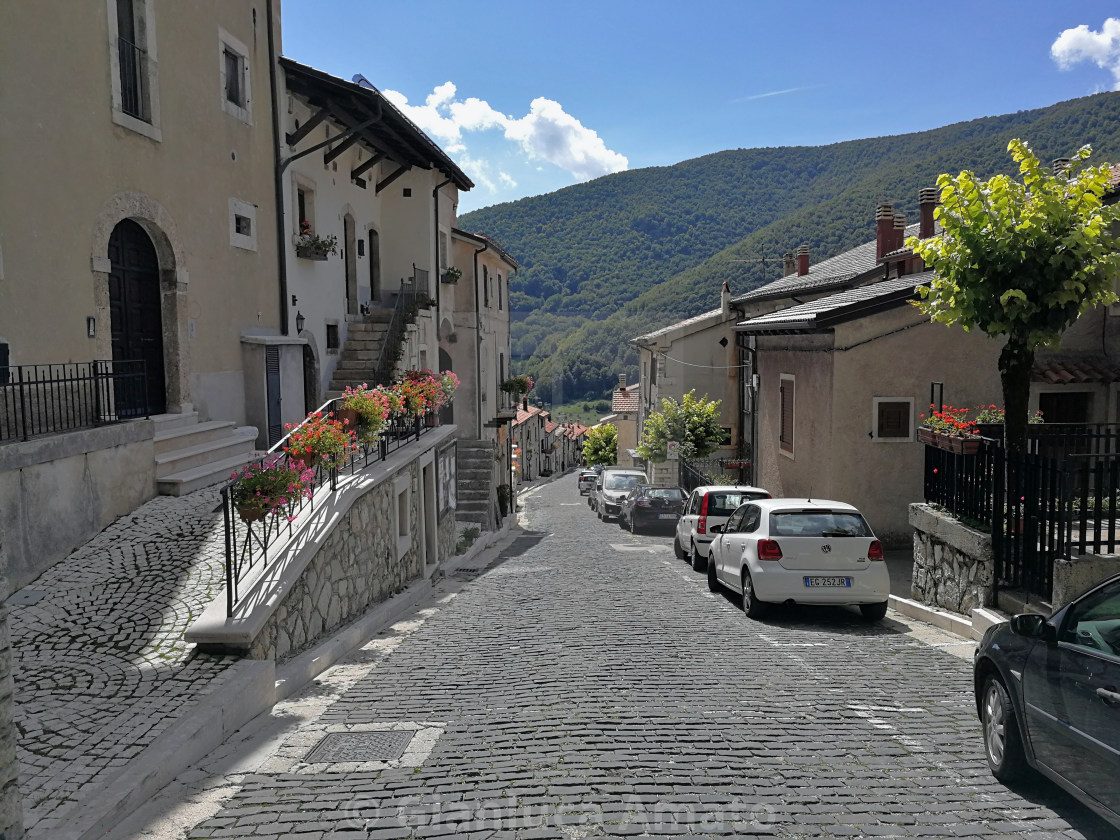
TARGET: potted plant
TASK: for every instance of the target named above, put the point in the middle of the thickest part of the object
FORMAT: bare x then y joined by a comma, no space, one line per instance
949,429
320,440
448,383
505,495
521,384
989,421
268,487
451,274
309,246
364,410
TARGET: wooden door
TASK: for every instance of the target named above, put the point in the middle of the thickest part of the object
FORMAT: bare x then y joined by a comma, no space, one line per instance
135,312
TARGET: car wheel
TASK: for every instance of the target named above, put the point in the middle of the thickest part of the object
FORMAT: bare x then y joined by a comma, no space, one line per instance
677,550
752,607
1003,743
873,612
696,559
713,581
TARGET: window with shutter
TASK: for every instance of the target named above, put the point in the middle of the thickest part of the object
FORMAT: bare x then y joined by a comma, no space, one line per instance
785,434
892,419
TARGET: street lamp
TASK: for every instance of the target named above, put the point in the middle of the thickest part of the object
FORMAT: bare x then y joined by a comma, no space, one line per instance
300,321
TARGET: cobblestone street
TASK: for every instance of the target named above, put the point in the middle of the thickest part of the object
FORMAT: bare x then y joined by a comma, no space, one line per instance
101,668
587,684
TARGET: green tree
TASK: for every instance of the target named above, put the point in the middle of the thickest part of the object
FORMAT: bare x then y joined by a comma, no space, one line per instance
1022,260
600,446
693,422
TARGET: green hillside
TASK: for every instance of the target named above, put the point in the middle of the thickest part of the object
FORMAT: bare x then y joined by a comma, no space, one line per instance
607,260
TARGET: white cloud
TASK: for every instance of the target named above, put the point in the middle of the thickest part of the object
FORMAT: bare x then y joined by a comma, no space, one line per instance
507,179
547,132
1084,44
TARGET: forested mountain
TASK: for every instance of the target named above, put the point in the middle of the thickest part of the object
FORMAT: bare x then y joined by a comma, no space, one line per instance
607,260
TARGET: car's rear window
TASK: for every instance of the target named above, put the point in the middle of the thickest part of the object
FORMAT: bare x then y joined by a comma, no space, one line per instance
671,493
615,481
724,503
818,523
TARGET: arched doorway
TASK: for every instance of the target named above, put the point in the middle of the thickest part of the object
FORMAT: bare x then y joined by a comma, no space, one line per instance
135,310
350,252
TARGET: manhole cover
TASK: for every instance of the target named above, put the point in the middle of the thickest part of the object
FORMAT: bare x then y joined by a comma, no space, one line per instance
26,597
360,746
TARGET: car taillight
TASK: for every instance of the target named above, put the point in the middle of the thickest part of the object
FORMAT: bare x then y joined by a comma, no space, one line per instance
875,550
704,505
769,550
702,525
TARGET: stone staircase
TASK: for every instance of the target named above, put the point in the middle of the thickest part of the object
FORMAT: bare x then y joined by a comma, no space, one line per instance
474,466
358,359
191,455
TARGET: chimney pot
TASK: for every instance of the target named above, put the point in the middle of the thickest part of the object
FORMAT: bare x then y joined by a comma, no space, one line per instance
788,265
621,381
927,200
802,260
884,229
899,229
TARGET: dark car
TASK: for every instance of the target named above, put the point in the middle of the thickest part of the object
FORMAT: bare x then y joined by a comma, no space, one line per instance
1048,696
648,505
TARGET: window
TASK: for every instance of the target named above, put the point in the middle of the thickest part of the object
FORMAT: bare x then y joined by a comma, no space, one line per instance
242,224
786,416
332,337
442,250
233,68
1094,622
305,204
485,286
892,419
402,523
132,59
499,292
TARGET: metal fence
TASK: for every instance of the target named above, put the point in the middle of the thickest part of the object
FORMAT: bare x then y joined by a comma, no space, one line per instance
53,398
697,472
1037,508
247,543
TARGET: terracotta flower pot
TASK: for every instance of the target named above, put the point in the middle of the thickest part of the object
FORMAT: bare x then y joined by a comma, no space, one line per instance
349,417
966,445
251,512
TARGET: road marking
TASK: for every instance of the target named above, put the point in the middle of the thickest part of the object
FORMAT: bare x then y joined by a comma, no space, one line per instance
648,549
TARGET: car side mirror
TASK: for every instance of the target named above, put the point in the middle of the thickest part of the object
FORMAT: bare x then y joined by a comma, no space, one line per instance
1033,626
715,529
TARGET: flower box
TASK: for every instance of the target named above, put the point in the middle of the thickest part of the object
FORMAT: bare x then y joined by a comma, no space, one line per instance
957,444
305,252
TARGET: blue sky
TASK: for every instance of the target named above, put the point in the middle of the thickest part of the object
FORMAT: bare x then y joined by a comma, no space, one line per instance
532,96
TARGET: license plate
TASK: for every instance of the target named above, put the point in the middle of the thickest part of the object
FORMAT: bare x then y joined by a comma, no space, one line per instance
828,581
666,516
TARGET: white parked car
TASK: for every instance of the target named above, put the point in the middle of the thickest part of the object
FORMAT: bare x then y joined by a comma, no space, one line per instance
800,551
707,506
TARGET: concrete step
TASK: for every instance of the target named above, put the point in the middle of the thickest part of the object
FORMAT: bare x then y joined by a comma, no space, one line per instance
183,437
481,517
195,478
166,422
367,356
462,508
347,362
238,441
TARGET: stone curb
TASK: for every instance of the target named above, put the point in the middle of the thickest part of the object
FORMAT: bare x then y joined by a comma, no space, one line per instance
972,629
247,689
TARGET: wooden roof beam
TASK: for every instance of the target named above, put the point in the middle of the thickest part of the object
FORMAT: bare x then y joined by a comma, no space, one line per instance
388,179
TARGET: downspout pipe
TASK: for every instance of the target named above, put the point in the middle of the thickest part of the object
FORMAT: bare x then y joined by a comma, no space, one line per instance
478,345
278,179
435,242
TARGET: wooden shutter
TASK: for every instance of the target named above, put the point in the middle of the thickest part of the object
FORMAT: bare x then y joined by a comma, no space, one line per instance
893,420
785,436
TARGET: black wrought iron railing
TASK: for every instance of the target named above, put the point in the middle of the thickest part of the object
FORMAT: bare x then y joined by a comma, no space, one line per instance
248,543
697,472
53,398
391,345
132,58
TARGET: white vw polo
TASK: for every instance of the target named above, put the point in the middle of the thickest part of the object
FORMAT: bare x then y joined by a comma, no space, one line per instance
800,551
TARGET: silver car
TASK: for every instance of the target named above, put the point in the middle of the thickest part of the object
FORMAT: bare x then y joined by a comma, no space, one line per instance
611,488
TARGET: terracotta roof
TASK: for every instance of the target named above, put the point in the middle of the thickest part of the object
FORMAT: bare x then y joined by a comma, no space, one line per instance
524,414
1071,369
844,306
551,426
625,400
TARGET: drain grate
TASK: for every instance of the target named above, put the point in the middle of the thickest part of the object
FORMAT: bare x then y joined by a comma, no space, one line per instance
360,746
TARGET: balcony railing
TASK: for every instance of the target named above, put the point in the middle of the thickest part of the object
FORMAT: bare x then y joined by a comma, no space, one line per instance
248,543
132,60
54,398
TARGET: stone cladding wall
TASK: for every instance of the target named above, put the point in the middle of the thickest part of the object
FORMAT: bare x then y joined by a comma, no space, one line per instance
953,564
356,568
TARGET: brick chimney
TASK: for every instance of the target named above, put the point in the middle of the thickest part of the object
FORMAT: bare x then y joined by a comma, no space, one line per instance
927,200
622,381
899,229
884,229
788,265
802,260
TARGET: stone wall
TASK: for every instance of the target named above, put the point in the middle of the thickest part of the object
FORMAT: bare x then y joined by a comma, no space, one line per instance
58,491
953,564
362,562
11,804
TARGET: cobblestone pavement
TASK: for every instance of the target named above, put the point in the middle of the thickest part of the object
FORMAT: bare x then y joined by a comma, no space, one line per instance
588,685
101,668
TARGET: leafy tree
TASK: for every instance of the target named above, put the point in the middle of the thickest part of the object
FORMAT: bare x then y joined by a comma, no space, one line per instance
693,422
1021,260
600,446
